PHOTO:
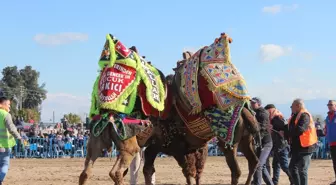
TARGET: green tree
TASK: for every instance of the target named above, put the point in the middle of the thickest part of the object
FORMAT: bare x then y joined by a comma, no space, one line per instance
73,118
23,85
34,93
29,114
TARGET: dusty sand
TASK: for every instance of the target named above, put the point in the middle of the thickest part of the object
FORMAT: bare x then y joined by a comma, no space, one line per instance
66,172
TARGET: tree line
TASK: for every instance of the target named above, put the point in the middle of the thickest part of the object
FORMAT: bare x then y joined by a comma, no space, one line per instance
26,93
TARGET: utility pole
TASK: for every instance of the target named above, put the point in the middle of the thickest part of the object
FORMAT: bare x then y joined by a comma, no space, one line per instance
53,117
21,97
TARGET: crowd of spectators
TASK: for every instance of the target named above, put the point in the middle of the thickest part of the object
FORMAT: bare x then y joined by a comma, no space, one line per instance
53,141
63,139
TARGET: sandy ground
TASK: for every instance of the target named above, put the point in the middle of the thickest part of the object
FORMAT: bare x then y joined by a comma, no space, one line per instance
66,172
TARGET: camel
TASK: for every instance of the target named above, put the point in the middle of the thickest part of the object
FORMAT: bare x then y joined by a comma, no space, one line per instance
193,163
154,119
128,148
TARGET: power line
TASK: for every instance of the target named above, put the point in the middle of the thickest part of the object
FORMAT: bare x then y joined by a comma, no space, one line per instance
21,94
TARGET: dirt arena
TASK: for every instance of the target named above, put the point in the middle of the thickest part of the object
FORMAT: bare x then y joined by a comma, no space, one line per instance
66,172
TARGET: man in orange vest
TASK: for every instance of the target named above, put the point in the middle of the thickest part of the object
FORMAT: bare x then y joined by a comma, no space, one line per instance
303,139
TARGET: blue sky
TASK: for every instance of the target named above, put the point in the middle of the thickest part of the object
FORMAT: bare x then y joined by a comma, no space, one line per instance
284,49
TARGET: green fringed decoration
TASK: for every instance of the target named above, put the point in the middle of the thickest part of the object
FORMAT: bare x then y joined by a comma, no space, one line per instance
159,106
94,110
110,48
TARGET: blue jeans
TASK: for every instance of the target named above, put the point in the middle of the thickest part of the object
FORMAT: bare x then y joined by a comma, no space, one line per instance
280,161
298,166
4,163
262,172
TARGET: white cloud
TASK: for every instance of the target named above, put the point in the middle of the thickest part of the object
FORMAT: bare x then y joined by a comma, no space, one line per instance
63,103
272,9
307,56
59,38
269,52
298,83
291,7
275,9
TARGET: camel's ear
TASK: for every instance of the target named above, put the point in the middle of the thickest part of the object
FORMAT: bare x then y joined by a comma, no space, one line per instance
187,55
184,55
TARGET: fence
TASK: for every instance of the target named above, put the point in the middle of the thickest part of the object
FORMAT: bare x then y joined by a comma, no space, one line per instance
53,148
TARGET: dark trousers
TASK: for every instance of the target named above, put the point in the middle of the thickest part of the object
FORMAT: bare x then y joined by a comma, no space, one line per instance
261,172
333,157
298,166
280,161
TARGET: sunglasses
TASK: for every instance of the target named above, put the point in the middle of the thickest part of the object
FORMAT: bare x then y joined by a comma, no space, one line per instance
330,104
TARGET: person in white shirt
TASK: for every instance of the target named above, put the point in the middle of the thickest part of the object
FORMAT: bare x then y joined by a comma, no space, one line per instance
135,166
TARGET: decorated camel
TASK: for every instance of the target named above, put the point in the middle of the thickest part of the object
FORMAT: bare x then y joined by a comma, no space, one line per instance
130,104
211,100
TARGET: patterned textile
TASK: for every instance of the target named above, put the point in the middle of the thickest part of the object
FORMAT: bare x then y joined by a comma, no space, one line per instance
224,100
197,124
225,76
214,52
122,70
125,127
223,88
223,122
189,83
146,106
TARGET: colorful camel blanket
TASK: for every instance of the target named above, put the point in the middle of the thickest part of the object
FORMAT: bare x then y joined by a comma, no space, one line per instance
214,64
223,122
121,72
189,83
124,127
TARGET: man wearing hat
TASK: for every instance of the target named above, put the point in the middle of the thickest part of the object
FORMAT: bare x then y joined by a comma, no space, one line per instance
330,128
262,117
279,133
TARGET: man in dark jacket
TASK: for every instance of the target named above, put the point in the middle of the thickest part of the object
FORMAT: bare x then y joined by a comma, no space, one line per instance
303,139
262,117
330,131
280,144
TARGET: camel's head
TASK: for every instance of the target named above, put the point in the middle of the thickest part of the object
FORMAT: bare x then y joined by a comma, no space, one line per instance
219,50
114,50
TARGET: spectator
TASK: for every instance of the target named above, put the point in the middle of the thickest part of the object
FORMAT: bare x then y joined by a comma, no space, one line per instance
280,145
331,132
303,139
262,117
319,128
135,166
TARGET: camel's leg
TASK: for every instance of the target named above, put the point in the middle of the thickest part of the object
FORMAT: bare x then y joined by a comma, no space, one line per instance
149,158
231,160
201,157
246,145
128,149
91,156
188,164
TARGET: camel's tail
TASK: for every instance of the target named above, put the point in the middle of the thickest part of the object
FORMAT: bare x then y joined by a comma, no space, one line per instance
250,121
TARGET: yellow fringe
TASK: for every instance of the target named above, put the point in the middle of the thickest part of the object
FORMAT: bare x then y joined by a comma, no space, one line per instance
159,106
113,56
227,51
94,110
